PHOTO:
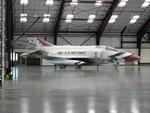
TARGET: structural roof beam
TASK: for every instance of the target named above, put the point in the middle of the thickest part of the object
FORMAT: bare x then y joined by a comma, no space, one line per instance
27,28
77,32
90,1
105,21
57,25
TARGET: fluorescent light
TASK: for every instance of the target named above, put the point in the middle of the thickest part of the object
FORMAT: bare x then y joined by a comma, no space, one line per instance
49,2
74,3
145,4
112,21
46,15
23,19
69,16
114,16
68,21
122,3
136,17
91,110
45,20
89,20
92,16
23,15
98,3
132,21
24,2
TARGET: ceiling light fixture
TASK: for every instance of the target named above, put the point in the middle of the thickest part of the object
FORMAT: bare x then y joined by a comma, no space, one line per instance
46,15
69,18
46,18
74,3
49,2
134,19
24,2
113,19
122,3
89,21
145,4
98,3
68,21
91,18
23,18
114,16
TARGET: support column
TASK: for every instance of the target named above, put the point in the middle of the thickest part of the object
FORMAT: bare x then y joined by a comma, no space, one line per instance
9,32
57,24
105,21
121,34
140,35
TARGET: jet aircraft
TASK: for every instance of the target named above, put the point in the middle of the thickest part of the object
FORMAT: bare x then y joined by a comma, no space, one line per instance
78,55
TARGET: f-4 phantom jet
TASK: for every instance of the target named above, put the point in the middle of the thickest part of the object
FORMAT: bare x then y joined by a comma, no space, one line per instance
65,55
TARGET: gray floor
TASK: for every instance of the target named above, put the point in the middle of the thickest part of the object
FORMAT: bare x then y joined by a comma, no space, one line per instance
45,90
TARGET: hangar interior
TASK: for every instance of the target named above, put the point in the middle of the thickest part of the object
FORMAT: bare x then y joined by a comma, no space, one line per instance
112,25
123,24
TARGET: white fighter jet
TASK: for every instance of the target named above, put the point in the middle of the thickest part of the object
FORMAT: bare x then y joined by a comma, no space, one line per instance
78,55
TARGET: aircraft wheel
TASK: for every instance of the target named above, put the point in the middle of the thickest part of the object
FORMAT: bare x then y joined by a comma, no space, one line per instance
78,66
62,66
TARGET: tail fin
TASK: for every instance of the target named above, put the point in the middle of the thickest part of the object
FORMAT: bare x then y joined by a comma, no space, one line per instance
38,42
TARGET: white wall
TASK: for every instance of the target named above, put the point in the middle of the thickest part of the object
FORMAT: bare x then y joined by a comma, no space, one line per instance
145,54
105,40
76,40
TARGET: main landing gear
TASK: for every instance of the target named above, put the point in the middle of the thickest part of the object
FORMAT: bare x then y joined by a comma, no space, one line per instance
62,66
116,64
78,66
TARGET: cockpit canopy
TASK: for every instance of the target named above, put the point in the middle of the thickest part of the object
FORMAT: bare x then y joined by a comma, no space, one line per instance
108,48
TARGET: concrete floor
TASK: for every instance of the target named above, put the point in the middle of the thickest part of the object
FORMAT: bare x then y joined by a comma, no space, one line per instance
45,90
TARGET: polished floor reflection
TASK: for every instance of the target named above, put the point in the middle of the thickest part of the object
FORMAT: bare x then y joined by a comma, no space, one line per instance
38,89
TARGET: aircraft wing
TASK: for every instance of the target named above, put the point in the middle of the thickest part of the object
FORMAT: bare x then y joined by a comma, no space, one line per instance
53,60
64,61
34,54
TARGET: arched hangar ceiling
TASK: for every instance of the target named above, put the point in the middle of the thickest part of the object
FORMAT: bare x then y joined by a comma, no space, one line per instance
81,11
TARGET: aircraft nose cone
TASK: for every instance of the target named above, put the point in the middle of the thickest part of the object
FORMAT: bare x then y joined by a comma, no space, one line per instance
132,57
